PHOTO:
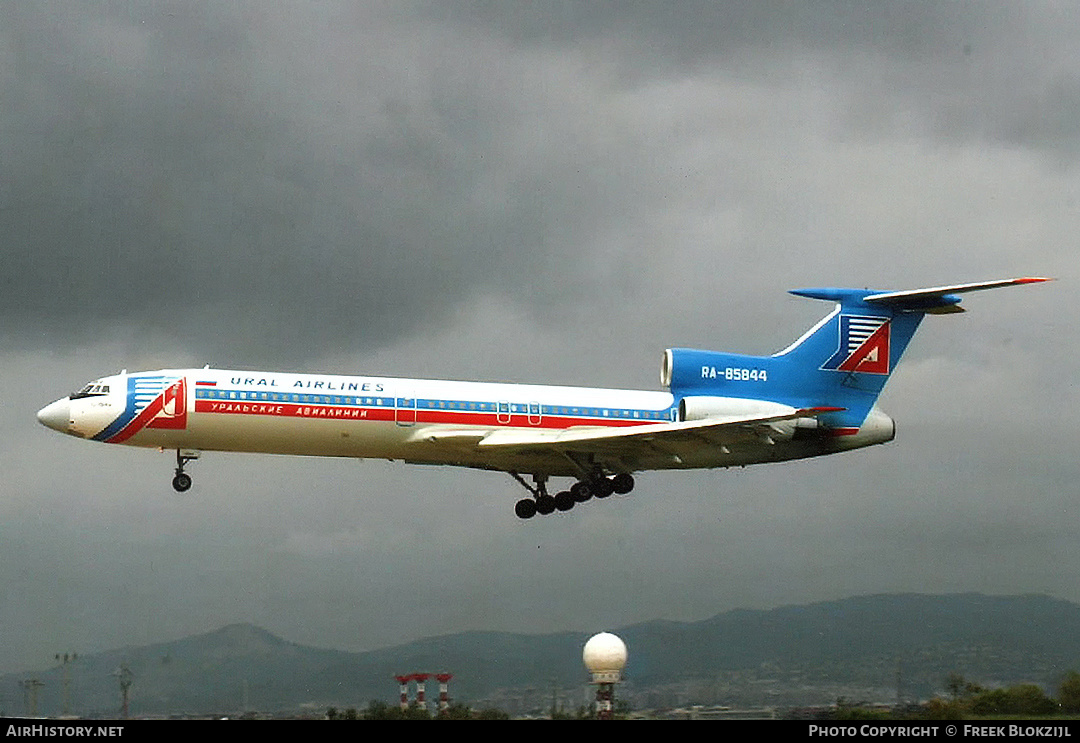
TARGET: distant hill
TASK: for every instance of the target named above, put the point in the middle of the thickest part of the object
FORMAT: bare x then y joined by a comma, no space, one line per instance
870,647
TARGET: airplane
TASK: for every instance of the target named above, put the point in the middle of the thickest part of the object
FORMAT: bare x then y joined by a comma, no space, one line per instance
815,397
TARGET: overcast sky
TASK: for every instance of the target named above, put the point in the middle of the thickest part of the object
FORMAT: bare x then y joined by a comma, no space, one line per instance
547,192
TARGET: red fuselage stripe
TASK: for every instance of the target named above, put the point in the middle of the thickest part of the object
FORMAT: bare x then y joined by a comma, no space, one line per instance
335,412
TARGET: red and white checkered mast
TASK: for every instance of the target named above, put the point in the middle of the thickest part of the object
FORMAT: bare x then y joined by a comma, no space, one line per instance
403,681
421,685
444,683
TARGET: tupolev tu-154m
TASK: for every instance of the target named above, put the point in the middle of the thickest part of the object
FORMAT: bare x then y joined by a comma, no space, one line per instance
815,397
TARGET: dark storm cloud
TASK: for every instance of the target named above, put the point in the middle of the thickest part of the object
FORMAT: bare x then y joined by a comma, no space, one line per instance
244,181
211,173
261,184
1000,71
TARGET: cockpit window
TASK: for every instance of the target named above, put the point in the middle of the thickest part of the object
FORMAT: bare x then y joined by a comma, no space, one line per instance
91,390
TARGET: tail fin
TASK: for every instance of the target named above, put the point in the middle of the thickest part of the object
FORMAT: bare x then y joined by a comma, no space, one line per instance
843,361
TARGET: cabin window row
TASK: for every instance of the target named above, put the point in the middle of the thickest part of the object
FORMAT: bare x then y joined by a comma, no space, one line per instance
436,404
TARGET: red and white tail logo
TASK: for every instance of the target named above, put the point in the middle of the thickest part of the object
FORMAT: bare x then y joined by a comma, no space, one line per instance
864,345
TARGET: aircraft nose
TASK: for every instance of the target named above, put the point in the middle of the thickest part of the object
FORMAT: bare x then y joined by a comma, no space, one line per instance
56,415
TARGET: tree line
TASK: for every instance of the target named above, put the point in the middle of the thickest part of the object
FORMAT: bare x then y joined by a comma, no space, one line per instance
967,699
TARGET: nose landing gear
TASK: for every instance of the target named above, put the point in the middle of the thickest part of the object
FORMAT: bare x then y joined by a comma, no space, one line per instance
181,481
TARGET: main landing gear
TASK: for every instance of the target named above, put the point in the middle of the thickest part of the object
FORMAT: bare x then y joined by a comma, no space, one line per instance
581,491
181,481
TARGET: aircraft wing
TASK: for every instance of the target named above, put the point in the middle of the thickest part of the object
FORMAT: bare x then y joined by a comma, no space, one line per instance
626,448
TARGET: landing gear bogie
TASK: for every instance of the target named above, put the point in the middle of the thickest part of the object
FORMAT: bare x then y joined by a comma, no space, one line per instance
583,490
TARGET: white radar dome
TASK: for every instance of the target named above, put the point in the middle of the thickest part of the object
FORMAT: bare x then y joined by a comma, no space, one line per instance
605,657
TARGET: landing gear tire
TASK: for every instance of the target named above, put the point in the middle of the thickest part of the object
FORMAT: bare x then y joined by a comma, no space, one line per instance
622,483
545,504
581,491
601,487
181,482
525,508
565,500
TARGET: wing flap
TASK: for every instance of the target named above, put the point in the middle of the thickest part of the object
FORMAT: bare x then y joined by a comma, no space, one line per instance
598,439
445,435
628,448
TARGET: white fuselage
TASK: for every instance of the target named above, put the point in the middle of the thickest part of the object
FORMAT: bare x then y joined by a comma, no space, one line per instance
385,417
415,420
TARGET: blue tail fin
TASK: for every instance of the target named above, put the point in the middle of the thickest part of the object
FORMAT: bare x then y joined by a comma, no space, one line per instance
843,361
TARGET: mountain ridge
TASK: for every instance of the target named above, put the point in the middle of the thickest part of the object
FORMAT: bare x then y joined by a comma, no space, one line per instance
798,653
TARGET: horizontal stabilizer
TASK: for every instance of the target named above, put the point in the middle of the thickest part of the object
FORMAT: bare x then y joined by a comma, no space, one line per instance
936,300
941,299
